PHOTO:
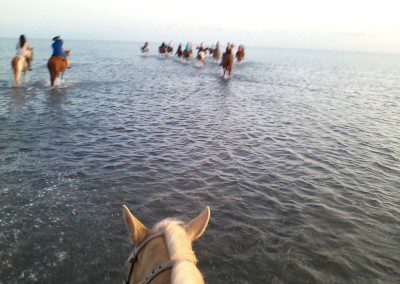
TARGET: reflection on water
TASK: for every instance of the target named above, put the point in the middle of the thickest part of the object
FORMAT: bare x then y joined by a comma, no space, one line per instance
297,156
18,95
57,94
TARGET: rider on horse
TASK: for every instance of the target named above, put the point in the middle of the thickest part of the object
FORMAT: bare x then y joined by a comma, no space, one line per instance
179,51
228,50
145,47
22,48
240,53
187,47
201,48
58,49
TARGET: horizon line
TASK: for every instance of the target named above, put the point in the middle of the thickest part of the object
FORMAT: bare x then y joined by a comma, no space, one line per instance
251,46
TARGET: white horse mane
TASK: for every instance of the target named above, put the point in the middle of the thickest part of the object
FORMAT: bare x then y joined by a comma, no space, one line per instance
180,249
178,242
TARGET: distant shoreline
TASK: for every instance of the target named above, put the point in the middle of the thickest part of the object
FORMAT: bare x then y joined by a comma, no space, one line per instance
247,46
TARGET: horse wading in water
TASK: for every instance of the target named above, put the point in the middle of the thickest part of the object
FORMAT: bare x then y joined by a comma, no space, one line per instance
57,65
187,54
227,60
216,53
169,49
179,51
200,57
145,48
20,64
240,54
162,49
164,253
201,54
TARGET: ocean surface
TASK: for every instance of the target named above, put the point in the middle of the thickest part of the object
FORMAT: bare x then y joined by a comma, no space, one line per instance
297,155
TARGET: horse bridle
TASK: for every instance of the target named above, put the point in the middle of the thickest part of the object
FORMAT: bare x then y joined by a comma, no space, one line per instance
133,257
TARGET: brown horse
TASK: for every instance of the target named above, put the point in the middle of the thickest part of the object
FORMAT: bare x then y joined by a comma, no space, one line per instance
216,54
170,49
187,54
239,55
227,62
57,65
20,64
162,49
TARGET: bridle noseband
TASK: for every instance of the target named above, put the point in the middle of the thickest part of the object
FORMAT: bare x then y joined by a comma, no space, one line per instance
134,256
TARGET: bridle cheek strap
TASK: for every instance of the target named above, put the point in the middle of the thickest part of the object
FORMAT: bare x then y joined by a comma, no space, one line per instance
134,255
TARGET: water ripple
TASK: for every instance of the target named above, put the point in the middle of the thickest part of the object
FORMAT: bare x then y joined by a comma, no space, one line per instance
297,155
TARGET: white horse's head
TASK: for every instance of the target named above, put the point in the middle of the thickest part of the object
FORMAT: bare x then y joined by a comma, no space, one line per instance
164,253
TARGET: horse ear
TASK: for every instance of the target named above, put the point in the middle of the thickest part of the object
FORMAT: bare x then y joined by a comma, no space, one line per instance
198,225
137,230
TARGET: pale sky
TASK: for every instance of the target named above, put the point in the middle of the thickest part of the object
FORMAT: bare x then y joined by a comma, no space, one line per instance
353,25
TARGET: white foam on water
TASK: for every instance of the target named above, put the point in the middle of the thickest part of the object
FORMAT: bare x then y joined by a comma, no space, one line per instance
61,256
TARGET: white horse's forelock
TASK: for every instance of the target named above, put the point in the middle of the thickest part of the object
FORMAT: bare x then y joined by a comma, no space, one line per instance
180,249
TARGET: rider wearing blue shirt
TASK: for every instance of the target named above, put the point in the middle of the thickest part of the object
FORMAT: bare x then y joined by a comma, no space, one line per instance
187,47
58,49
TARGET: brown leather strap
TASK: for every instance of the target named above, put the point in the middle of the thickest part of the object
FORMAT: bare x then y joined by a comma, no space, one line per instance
159,269
133,256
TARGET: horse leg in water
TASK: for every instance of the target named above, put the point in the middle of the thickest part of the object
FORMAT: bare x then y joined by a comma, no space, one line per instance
25,76
53,77
17,77
17,69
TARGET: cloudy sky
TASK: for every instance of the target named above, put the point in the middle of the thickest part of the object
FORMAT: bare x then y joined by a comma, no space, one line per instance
353,25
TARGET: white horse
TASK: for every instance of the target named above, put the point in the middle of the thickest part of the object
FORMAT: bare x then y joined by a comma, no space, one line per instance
20,64
164,253
200,58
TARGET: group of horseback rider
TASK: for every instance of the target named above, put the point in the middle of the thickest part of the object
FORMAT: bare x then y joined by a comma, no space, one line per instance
21,63
214,51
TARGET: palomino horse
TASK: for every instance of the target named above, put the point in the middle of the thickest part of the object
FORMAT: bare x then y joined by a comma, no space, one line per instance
57,65
227,62
20,64
164,253
200,57
239,55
